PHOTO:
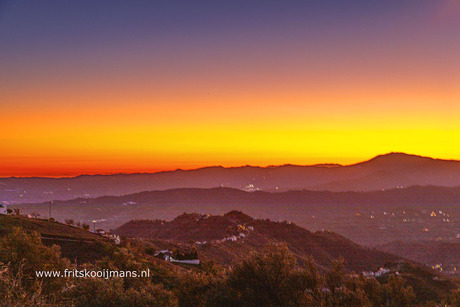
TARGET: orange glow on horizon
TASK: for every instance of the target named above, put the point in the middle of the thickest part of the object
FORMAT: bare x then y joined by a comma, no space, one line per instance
80,138
301,91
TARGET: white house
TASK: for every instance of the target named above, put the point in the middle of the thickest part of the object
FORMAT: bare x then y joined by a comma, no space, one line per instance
189,261
3,209
381,272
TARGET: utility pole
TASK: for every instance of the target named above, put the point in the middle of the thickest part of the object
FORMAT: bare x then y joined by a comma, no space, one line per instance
49,210
94,226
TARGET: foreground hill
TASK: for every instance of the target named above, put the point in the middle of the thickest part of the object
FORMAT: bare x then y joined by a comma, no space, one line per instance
368,218
78,245
389,171
235,235
274,275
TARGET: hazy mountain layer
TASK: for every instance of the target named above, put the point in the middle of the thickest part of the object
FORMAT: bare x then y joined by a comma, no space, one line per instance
389,171
369,218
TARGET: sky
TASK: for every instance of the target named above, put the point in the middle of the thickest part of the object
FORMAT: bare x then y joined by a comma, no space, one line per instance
100,87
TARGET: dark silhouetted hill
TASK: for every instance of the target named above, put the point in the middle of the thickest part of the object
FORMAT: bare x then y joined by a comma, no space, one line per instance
234,235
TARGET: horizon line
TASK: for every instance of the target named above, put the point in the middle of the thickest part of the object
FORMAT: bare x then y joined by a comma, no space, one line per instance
225,167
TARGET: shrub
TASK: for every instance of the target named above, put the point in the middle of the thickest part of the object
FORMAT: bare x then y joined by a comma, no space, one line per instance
25,254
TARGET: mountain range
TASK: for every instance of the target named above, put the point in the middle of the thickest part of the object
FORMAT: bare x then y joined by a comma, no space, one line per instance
389,171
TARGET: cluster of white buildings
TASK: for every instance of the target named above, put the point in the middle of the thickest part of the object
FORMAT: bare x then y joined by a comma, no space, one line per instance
233,238
378,273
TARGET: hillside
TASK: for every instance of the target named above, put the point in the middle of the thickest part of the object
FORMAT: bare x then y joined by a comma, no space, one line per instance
234,236
78,245
388,171
261,271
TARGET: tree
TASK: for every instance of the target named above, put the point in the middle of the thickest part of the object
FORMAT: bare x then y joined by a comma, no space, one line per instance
85,226
370,287
13,291
269,278
454,298
9,211
334,280
113,292
17,211
312,281
200,288
396,294
69,221
25,254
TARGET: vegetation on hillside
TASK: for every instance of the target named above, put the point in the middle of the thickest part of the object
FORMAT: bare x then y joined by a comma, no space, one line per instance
269,278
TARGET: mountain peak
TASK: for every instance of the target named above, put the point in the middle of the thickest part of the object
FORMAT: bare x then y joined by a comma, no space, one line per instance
397,155
396,159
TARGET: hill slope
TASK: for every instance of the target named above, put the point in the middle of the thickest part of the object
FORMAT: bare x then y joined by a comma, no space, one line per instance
76,244
234,235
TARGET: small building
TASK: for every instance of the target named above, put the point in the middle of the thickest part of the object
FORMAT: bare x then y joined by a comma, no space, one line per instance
167,255
378,273
381,272
187,261
3,209
116,239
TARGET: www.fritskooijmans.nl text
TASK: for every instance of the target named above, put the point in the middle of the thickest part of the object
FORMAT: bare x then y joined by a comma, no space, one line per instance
106,274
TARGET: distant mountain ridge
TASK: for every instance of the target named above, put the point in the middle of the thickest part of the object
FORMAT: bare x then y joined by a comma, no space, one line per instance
394,170
311,209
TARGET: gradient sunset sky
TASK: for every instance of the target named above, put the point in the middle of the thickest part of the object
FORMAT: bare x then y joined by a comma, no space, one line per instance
141,86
